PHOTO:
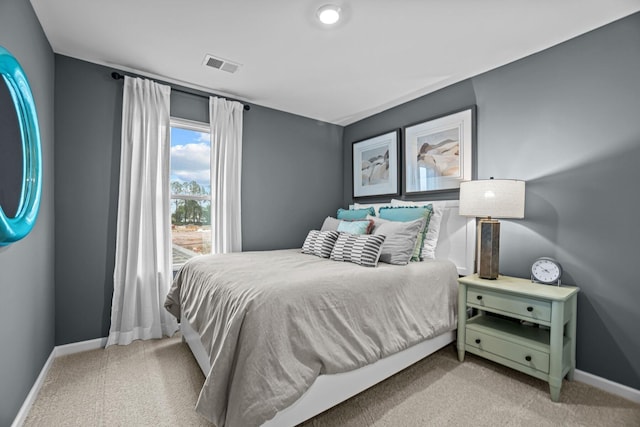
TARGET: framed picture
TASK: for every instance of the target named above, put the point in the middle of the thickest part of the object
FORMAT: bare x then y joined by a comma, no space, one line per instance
375,166
438,153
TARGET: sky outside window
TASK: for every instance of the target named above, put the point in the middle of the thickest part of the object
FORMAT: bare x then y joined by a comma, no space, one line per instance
191,157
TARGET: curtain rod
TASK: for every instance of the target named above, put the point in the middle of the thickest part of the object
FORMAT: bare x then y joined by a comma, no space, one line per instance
117,76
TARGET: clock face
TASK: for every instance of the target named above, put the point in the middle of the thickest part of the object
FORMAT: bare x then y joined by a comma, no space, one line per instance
546,270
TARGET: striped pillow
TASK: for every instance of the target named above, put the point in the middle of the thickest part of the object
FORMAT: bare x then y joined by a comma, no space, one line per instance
362,249
320,243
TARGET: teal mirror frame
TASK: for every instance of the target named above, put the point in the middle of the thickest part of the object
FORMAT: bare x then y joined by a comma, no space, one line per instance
14,229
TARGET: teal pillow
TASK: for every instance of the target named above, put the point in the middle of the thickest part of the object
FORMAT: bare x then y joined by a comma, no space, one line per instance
410,213
350,214
354,227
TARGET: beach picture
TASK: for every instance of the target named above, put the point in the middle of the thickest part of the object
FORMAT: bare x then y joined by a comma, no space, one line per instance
375,166
438,153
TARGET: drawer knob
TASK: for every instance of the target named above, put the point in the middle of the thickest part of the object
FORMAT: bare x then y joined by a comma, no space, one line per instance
529,309
528,358
479,297
477,340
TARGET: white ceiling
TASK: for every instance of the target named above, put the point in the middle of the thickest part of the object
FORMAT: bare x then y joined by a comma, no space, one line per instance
382,54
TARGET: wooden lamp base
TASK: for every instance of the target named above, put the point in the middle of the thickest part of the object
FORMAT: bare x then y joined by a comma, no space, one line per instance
489,252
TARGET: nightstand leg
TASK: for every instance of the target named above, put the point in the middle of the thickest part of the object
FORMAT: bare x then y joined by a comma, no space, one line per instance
570,374
556,342
462,319
554,390
571,334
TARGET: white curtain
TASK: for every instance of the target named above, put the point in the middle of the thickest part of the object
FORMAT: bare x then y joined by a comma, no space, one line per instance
143,274
225,118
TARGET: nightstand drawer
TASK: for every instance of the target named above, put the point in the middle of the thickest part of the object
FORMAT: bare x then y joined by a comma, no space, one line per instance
509,350
525,307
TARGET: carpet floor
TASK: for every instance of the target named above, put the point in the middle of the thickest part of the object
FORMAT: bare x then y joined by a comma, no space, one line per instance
156,383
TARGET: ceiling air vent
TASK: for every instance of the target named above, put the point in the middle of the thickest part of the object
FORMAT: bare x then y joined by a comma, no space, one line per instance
221,64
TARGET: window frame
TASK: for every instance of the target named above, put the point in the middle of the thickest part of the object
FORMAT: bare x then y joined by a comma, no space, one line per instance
195,126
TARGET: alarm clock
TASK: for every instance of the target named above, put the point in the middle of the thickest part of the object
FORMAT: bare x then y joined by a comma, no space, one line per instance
546,270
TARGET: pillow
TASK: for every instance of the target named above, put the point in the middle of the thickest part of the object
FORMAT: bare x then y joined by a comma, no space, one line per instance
376,208
400,241
320,243
331,223
433,231
362,249
355,227
410,213
355,213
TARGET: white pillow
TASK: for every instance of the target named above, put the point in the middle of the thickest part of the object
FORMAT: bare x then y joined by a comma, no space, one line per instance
433,231
330,224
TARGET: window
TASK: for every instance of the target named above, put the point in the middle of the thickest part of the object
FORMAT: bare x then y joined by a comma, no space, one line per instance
190,182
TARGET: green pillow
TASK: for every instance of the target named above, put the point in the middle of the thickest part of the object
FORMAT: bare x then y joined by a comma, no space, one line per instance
410,213
350,214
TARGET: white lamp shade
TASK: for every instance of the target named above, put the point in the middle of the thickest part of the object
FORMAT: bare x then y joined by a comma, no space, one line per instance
496,198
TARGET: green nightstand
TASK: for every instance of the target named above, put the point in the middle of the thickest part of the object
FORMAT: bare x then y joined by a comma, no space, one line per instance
535,332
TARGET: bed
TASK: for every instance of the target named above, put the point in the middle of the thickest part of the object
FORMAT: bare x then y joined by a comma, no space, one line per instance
291,334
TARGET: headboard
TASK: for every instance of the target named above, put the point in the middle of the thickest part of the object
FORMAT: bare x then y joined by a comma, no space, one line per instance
457,238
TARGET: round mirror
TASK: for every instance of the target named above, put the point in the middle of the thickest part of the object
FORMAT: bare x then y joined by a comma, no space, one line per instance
20,153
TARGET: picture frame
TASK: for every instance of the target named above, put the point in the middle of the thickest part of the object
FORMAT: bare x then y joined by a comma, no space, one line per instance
376,170
438,153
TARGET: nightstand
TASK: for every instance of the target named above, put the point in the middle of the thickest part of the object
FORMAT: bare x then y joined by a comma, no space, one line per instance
534,331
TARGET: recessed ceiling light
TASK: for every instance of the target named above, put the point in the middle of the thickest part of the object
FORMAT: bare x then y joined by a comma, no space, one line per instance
329,14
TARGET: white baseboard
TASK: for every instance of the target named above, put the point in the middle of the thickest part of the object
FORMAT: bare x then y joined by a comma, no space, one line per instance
609,386
77,347
33,393
59,350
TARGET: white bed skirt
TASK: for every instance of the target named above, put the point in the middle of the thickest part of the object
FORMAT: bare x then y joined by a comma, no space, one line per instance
329,390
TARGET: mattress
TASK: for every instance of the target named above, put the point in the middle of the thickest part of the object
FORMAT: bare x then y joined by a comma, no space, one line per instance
272,322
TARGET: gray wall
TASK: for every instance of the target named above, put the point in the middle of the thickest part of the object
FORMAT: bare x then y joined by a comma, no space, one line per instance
566,121
292,170
88,122
27,266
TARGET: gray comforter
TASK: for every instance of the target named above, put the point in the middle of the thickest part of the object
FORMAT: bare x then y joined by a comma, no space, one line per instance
273,321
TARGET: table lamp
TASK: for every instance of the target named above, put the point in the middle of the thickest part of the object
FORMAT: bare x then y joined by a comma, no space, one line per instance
489,199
